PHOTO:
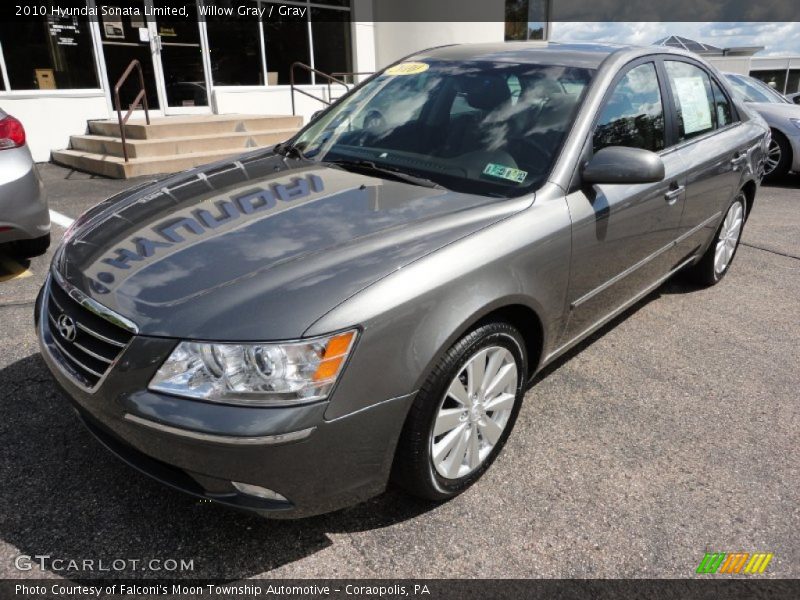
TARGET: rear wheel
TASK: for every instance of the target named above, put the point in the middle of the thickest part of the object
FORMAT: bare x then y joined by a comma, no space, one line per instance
779,156
463,414
718,257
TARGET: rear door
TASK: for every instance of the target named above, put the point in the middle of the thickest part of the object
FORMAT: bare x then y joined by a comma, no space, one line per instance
712,143
622,234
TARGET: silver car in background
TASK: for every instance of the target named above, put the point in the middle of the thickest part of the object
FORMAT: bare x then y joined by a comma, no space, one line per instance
783,118
24,215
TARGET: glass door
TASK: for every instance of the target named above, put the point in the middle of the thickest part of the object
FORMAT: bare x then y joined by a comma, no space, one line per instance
182,72
125,38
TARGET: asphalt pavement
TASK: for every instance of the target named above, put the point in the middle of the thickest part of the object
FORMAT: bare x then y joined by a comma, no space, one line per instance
672,432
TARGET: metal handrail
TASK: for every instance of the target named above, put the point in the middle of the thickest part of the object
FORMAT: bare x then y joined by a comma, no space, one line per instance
141,97
329,78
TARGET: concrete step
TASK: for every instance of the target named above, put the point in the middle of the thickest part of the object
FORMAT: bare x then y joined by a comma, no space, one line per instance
195,125
170,146
116,167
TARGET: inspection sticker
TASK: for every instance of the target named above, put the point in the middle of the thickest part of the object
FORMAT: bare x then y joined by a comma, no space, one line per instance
408,68
502,172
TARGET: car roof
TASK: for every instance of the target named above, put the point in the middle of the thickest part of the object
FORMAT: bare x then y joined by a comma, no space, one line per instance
588,55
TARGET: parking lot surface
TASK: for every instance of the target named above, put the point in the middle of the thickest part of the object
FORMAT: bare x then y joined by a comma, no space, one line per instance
672,432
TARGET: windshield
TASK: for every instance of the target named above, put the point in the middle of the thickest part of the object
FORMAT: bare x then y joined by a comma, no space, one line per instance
489,128
753,90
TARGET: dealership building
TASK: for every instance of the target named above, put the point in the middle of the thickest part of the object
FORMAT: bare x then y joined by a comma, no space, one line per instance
59,70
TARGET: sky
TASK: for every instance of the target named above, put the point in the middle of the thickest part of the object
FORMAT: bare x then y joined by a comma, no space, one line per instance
777,38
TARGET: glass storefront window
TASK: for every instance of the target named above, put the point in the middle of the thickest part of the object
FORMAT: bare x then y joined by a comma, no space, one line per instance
330,32
59,53
525,20
235,48
182,59
49,54
286,42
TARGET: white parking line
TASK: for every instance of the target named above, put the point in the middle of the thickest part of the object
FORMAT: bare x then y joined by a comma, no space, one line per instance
59,219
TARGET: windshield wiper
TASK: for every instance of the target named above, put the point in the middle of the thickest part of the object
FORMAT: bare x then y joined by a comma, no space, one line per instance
288,150
367,166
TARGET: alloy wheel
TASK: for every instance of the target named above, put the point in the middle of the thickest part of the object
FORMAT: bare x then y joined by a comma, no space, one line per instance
474,412
773,157
728,237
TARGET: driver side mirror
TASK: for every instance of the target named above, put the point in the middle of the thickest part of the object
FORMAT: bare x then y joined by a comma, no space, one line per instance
619,164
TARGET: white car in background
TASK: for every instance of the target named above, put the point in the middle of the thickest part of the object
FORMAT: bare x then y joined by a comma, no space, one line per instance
781,115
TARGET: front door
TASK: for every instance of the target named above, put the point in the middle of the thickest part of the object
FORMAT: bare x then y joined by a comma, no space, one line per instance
168,48
622,234
179,58
126,37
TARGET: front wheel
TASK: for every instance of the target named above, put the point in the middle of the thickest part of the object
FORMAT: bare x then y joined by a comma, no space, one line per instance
463,414
718,257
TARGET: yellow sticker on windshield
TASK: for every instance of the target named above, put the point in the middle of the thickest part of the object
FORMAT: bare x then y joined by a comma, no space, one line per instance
408,68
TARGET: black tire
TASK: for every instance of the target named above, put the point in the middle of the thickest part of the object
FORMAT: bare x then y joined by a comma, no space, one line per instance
782,168
704,272
413,464
30,248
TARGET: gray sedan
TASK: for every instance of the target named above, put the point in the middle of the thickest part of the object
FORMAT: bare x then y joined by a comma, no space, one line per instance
24,217
288,331
783,117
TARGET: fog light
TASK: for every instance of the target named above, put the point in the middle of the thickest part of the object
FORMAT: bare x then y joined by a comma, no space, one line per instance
258,491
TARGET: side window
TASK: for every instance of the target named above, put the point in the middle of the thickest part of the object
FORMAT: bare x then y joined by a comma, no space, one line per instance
634,114
694,100
723,112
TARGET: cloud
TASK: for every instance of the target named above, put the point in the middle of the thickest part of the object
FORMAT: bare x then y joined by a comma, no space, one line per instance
776,38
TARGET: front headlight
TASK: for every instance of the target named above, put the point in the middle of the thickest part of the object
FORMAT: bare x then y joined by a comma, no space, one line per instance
255,374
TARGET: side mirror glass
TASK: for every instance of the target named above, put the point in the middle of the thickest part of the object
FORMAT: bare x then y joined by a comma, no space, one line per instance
619,164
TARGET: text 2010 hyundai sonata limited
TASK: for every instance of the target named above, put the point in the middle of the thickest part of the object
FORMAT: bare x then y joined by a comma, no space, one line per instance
286,331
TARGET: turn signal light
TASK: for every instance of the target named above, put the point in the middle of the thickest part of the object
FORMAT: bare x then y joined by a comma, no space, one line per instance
333,356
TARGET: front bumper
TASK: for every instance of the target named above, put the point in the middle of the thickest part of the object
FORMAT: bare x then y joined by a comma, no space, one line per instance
24,212
202,447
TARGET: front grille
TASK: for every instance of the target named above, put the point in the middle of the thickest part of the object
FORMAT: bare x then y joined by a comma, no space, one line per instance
91,344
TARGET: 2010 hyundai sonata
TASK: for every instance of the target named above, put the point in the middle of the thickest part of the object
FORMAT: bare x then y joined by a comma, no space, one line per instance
286,331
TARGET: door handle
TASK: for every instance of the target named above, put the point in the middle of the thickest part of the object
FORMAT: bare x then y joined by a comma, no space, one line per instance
738,160
673,194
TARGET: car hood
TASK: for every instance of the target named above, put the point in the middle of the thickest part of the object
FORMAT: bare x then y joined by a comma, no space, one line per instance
258,248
